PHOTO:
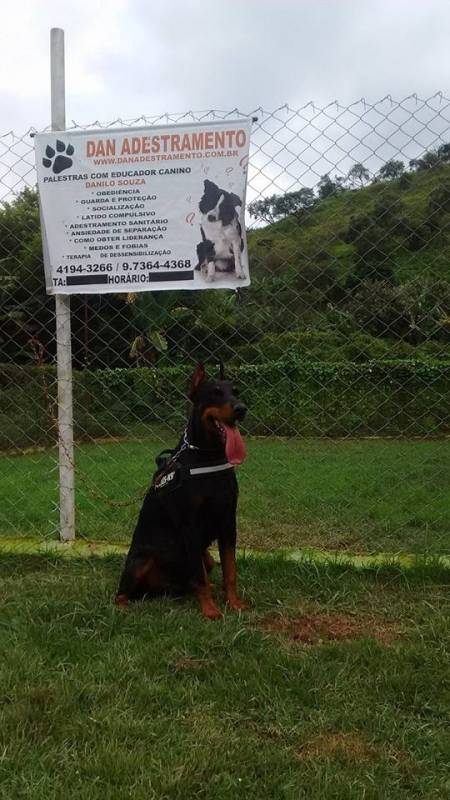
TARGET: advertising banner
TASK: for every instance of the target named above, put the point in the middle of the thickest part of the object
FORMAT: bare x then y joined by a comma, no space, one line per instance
144,209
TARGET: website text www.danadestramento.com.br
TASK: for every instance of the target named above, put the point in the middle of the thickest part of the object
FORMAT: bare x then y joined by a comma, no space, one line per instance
165,157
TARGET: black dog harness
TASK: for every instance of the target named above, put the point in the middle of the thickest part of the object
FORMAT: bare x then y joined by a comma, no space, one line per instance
171,473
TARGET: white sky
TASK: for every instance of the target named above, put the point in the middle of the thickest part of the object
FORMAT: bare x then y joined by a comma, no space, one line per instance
126,58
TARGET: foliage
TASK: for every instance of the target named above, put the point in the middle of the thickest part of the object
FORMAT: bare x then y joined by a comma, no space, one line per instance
328,253
391,170
329,188
358,174
270,209
288,396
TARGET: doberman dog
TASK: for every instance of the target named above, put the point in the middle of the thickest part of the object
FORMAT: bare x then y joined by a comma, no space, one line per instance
191,503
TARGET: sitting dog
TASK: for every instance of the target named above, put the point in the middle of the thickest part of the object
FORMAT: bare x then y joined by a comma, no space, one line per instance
222,243
191,502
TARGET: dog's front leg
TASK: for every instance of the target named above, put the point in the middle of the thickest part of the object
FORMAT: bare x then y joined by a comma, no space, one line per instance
202,589
211,273
227,550
200,582
237,260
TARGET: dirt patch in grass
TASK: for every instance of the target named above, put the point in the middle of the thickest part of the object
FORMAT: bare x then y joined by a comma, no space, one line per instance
344,746
311,629
353,747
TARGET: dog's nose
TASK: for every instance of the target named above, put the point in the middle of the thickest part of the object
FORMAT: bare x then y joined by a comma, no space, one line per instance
211,218
240,410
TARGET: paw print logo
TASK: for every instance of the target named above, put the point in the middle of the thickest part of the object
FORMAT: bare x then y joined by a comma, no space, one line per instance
62,160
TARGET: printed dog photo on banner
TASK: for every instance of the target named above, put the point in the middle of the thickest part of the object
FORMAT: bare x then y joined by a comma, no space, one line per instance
152,208
222,243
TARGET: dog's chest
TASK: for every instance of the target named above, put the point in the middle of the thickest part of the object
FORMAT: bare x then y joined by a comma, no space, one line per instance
222,236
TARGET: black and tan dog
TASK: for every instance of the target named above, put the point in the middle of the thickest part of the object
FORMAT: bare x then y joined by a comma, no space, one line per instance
191,503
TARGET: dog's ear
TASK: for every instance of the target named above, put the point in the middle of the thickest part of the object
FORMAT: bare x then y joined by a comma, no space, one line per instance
198,376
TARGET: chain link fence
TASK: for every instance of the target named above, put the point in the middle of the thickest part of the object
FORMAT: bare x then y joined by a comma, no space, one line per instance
340,346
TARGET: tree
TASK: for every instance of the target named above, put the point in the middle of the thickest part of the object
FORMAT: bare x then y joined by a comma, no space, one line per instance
391,170
358,173
416,164
276,207
329,188
444,153
429,160
413,311
101,325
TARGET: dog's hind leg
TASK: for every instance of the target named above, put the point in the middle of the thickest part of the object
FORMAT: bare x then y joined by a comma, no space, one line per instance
141,576
130,587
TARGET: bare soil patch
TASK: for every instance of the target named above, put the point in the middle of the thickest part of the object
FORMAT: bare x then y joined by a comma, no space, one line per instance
312,629
353,747
345,746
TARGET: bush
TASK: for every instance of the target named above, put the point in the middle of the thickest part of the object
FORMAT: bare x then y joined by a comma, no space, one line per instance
288,396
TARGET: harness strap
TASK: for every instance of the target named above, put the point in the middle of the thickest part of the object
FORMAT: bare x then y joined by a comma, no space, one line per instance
172,474
205,470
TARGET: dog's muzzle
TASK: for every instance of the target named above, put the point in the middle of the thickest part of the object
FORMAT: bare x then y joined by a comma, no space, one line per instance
240,411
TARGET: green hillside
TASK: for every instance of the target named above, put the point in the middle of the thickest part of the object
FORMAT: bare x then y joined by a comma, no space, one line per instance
370,266
361,275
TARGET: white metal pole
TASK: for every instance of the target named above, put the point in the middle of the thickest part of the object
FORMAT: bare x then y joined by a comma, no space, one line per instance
63,333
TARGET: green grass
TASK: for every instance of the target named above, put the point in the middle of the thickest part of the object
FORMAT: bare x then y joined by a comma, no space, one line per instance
156,702
362,496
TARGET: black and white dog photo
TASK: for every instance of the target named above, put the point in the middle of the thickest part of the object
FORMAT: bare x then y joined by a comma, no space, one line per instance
222,243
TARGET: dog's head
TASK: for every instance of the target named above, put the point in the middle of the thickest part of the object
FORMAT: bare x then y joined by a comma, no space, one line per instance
219,409
219,205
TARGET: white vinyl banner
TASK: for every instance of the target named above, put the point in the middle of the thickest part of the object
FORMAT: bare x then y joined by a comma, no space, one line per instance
144,209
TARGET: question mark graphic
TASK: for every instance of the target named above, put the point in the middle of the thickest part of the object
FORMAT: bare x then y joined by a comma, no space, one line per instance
206,170
189,199
244,162
190,217
229,170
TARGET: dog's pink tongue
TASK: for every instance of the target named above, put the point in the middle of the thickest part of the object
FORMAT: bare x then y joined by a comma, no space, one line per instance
234,446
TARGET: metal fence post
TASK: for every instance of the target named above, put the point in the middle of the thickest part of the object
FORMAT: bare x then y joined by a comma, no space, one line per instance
63,332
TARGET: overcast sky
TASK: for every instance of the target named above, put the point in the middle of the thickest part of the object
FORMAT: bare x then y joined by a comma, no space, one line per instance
126,58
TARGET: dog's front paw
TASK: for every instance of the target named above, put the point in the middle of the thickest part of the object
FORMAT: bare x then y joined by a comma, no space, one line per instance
236,604
210,611
240,275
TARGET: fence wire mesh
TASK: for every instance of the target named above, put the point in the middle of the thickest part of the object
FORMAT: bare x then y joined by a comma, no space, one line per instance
340,346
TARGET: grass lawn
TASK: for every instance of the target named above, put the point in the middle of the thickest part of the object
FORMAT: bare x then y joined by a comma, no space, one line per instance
360,495
335,685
